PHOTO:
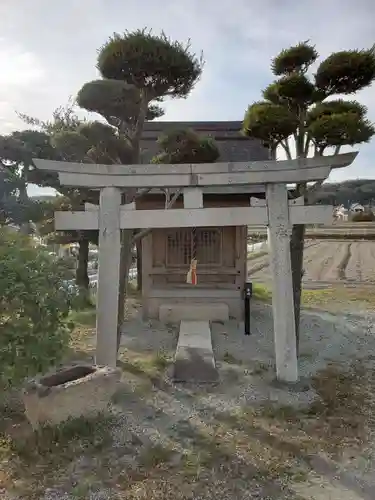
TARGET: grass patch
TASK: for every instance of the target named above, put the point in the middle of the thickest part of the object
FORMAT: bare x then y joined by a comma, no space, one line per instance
80,432
337,421
82,340
151,365
356,298
327,298
260,367
33,458
225,448
194,463
154,456
82,490
132,290
84,318
261,292
230,359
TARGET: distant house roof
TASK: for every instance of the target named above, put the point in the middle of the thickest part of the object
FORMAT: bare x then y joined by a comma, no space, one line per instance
233,146
355,206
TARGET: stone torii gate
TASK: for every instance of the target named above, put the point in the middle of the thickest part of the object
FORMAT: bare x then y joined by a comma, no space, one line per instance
276,212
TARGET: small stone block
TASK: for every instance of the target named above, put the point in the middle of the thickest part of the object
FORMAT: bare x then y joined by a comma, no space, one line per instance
71,392
173,313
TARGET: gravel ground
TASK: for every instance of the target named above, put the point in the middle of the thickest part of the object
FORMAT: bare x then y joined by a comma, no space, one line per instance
247,371
171,421
325,338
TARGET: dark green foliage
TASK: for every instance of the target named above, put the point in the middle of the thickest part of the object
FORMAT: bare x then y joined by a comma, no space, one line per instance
294,89
33,306
35,144
295,107
11,210
295,59
269,122
11,149
110,98
14,209
151,62
339,122
17,151
154,111
71,139
346,72
116,101
93,142
340,129
70,145
97,132
338,106
186,146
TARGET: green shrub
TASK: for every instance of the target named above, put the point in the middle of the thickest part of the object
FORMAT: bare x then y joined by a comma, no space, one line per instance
363,217
34,304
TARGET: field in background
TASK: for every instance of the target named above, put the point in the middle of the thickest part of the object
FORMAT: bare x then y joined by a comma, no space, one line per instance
346,230
339,275
328,262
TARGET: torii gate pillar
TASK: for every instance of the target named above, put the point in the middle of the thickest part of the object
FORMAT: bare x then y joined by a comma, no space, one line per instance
279,229
108,276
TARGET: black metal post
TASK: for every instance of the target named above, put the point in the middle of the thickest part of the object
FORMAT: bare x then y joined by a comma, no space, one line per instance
248,291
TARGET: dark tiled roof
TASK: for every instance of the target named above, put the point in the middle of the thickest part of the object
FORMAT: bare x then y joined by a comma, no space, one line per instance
232,144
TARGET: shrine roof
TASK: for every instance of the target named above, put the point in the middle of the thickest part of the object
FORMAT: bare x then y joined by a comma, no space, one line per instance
232,144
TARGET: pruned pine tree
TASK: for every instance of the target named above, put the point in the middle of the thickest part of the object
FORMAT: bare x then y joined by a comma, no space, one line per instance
303,115
139,69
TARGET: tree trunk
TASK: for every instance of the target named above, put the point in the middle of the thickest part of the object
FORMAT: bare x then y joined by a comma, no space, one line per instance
82,278
127,235
125,263
296,253
25,229
139,265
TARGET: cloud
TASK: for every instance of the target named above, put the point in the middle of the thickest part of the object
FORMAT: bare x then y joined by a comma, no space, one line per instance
19,68
52,46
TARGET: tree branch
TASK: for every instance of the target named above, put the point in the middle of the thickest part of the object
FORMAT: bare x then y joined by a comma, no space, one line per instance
313,189
307,145
286,147
145,232
141,117
167,197
141,193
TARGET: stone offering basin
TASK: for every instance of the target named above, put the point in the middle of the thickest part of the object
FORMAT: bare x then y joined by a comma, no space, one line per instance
70,392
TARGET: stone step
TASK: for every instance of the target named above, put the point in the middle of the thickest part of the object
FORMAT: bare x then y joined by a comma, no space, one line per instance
194,359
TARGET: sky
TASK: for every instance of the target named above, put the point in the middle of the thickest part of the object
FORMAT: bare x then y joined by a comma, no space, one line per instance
48,50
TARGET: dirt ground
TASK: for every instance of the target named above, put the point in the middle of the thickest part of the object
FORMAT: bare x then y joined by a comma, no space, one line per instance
244,438
328,262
